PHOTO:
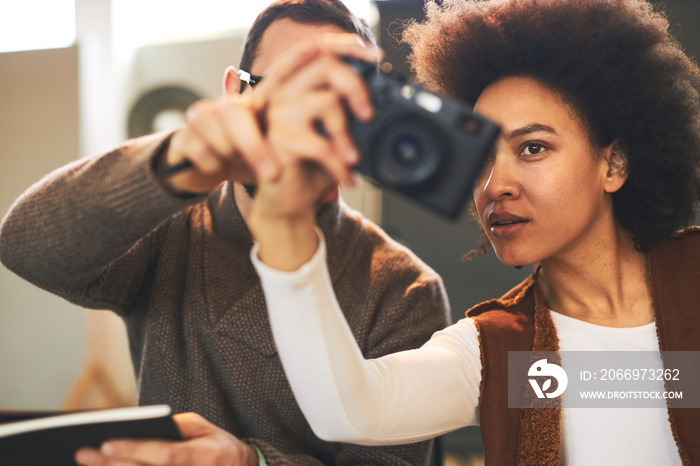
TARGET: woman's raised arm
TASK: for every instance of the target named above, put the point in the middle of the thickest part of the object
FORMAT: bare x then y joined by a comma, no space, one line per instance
400,398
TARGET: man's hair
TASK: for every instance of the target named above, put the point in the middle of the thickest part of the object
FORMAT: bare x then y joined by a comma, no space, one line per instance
613,61
332,12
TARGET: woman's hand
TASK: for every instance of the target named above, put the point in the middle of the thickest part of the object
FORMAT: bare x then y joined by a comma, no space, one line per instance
310,88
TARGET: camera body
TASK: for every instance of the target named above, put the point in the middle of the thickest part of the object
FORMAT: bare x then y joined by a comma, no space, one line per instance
424,146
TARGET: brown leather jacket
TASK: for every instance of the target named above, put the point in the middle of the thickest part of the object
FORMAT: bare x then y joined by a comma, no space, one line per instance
520,321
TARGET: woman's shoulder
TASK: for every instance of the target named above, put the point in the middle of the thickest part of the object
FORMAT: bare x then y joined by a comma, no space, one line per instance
507,323
516,304
689,234
683,243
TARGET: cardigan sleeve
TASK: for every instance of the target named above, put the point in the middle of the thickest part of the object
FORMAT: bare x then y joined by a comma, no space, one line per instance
66,231
403,397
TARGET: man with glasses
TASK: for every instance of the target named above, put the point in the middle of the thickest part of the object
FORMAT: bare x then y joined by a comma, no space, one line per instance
249,79
168,250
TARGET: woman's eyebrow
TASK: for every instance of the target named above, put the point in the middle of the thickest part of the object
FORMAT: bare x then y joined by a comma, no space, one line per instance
528,129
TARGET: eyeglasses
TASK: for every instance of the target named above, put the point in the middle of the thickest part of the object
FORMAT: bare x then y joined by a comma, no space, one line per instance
248,78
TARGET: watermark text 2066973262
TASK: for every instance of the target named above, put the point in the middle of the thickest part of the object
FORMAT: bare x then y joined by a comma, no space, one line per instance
604,379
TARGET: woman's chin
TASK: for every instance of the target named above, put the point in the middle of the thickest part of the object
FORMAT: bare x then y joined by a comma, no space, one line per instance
513,259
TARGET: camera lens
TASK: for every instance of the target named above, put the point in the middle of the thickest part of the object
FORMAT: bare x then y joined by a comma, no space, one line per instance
408,152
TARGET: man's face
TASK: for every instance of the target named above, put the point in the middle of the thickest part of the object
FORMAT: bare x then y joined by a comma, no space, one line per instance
281,36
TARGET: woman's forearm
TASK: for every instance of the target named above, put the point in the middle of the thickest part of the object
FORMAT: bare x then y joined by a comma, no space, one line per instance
400,398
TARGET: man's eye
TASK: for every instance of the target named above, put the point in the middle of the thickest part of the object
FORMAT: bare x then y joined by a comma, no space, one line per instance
532,148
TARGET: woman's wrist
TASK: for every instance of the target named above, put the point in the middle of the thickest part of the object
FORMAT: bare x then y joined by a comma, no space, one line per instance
285,242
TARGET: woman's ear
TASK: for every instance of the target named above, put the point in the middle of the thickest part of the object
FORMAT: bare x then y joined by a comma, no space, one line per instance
618,169
232,85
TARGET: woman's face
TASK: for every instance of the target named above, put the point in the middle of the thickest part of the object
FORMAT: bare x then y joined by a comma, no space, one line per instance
543,193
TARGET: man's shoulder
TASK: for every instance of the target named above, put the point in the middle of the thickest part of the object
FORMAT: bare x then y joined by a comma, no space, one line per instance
392,300
371,243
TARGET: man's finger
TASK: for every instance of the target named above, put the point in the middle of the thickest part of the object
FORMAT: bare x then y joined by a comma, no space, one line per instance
351,46
150,452
333,118
337,76
205,120
304,142
199,153
319,154
296,58
337,45
251,144
92,457
192,425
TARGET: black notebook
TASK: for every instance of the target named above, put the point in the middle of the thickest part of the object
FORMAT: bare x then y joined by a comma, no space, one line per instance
41,439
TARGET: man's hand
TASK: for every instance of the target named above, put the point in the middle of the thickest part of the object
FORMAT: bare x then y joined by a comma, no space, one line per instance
204,444
223,140
255,136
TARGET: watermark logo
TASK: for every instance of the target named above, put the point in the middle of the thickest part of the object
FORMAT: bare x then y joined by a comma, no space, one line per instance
542,368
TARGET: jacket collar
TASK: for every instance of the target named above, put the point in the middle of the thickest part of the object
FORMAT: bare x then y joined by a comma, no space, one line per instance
232,229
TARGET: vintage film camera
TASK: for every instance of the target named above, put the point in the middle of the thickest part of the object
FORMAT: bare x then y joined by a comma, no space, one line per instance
426,147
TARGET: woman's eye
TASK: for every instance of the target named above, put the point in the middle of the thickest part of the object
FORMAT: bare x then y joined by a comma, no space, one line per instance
532,148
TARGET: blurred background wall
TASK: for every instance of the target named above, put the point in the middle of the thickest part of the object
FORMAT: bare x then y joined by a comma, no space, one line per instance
62,103
42,338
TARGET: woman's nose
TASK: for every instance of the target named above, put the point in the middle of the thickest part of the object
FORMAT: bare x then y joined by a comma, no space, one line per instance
501,180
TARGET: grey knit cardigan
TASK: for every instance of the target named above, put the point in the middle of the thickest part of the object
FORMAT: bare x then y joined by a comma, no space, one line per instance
103,234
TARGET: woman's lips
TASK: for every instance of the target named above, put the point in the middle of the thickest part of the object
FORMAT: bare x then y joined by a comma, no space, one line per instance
505,224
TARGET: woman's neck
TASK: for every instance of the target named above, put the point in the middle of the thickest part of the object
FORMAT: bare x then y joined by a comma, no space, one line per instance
604,285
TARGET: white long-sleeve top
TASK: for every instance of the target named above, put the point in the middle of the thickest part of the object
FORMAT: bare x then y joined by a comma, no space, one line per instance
372,402
420,394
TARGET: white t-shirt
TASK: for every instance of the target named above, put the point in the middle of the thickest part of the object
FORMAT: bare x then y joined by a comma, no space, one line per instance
420,394
612,436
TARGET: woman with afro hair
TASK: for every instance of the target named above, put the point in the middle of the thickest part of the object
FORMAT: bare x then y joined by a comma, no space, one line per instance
595,179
